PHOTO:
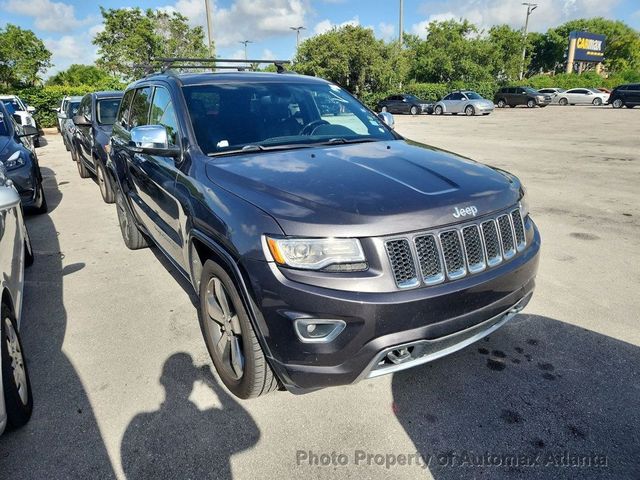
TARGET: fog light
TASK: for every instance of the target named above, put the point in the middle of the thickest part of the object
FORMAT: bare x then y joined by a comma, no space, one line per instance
314,330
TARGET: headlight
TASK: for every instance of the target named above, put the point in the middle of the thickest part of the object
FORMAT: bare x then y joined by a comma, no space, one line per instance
14,161
28,121
329,254
524,204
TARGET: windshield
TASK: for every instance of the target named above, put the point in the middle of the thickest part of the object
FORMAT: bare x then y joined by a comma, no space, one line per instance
106,110
531,91
231,117
473,96
72,108
413,98
12,105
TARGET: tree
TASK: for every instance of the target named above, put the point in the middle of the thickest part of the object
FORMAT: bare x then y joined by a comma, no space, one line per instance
23,57
132,37
77,75
352,57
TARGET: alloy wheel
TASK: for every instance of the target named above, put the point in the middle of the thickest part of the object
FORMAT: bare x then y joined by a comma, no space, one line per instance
224,328
469,111
617,103
17,361
123,217
101,181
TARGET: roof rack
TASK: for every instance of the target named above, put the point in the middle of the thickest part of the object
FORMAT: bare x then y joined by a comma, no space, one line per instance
218,63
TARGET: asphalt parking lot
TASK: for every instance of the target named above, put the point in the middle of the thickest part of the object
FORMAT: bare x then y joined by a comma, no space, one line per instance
123,386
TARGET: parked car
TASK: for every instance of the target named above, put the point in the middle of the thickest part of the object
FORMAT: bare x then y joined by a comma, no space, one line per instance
324,249
60,112
514,96
16,398
68,128
581,96
625,96
551,91
20,159
94,122
404,103
22,113
467,102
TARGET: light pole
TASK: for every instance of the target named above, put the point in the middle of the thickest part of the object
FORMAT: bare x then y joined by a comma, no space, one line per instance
530,8
207,8
245,43
401,26
297,30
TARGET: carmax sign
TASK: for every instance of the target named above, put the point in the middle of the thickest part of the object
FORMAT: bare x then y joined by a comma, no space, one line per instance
588,47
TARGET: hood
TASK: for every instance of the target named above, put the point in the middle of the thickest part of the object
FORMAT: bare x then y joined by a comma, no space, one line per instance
4,141
361,190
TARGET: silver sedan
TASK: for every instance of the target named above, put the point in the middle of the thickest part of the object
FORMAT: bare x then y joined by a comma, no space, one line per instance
581,96
16,400
467,102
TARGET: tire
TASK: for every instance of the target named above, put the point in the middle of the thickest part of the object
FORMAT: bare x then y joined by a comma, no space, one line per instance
104,183
132,236
414,110
247,373
502,103
469,111
82,168
438,110
36,141
18,396
597,102
43,208
531,103
617,103
563,101
29,256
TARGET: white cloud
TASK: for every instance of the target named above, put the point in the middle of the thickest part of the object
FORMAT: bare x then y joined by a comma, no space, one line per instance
486,13
70,49
325,25
386,31
47,15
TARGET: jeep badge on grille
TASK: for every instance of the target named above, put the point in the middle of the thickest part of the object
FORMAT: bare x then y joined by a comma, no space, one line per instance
465,211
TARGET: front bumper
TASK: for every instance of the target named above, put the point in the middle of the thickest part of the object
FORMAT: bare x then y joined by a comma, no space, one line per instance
433,321
27,183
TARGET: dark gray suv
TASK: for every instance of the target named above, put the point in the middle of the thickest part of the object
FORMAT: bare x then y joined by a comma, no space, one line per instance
325,248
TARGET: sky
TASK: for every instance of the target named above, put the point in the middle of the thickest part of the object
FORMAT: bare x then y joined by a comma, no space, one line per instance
67,26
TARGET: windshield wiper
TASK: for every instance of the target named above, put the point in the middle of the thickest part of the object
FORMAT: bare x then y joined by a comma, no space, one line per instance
254,148
342,140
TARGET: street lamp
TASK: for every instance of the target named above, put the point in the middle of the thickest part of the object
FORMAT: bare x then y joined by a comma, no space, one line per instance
297,30
245,43
530,8
209,26
401,26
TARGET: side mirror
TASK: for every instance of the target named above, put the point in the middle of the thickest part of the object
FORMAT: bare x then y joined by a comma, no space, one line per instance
81,120
387,118
28,131
31,109
152,140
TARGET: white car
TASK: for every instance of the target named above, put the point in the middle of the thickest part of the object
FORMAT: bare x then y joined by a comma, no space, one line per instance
16,400
22,112
581,96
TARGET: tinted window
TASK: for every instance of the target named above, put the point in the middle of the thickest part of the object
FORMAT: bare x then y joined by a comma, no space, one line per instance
229,116
449,97
125,108
162,113
510,90
473,96
72,108
85,107
456,96
106,110
140,107
4,125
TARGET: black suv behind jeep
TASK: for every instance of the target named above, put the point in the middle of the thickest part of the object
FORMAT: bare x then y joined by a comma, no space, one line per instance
94,121
325,248
514,96
625,96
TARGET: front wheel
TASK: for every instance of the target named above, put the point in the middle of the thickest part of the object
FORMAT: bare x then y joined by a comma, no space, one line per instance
531,103
617,103
414,110
43,207
132,236
15,376
229,336
438,110
469,111
502,103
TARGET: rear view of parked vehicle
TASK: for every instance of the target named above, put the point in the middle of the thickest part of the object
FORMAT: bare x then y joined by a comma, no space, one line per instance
67,127
581,96
94,122
21,162
404,103
625,96
467,102
514,96
16,399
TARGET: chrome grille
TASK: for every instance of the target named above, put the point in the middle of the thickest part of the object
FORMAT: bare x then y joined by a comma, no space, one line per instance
402,264
430,258
452,253
506,235
473,248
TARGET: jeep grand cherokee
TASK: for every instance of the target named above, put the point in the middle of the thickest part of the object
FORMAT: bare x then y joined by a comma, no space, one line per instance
325,248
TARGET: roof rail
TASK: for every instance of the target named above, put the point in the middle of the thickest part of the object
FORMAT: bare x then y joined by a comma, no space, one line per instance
218,63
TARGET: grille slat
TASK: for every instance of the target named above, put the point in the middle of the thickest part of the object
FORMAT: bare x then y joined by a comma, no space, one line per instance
402,264
473,249
429,259
506,235
432,258
452,254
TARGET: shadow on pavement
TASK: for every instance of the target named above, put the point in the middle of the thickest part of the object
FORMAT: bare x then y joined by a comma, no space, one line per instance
537,387
62,440
181,441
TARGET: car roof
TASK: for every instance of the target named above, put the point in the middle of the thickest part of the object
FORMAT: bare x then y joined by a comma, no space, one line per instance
108,94
188,79
75,98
